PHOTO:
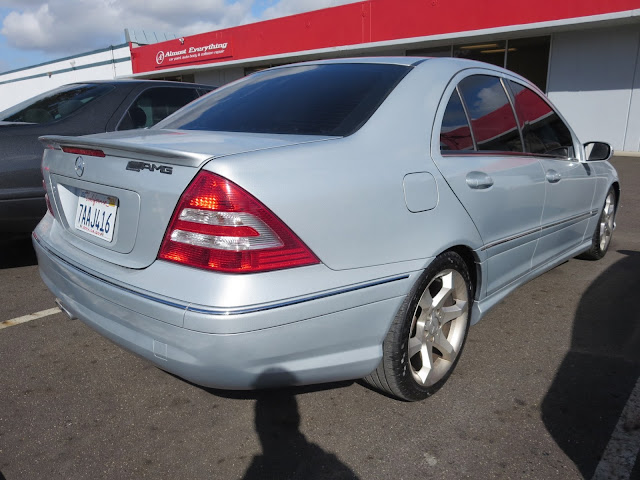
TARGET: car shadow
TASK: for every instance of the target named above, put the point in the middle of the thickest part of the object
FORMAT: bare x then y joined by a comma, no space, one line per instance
596,377
17,251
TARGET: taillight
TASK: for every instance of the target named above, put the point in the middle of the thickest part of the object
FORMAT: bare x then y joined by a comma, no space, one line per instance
219,226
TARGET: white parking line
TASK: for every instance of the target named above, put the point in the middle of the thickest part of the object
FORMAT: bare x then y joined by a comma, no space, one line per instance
28,318
621,452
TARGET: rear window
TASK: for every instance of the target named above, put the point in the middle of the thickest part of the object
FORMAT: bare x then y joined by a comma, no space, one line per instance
329,99
55,104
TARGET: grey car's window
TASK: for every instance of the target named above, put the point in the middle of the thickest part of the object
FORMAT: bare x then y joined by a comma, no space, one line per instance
455,133
55,104
492,120
543,130
155,104
330,99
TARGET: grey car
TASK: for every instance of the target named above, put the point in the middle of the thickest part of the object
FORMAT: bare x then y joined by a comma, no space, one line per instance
74,109
322,221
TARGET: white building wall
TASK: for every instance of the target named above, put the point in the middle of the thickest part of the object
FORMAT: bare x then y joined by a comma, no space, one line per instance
106,64
632,136
591,79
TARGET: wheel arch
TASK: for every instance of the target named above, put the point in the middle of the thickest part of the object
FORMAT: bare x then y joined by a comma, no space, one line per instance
616,188
473,264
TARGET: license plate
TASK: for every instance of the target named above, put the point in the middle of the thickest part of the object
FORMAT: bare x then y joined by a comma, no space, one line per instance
96,214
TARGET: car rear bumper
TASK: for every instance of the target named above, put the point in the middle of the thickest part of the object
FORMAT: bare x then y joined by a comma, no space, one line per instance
318,343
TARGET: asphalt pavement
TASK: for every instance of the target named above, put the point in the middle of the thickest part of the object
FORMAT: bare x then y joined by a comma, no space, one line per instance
547,388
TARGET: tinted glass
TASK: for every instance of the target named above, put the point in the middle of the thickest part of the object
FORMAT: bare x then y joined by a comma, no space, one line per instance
331,99
155,104
455,133
55,104
543,131
494,125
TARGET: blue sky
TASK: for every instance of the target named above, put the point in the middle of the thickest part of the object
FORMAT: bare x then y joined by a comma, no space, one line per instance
37,31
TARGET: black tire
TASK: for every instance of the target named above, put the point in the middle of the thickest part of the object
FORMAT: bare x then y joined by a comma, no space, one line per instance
422,322
604,229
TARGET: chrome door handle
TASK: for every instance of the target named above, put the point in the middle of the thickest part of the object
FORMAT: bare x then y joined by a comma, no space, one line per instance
553,176
479,180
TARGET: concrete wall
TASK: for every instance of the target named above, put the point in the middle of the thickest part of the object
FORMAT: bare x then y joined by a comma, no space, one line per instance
594,81
105,64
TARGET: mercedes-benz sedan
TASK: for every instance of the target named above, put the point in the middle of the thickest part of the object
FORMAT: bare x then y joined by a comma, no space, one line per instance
322,221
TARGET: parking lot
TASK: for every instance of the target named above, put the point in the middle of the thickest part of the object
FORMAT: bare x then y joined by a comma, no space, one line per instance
547,388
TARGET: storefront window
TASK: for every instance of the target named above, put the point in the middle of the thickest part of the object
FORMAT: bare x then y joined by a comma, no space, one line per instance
528,57
488,52
444,51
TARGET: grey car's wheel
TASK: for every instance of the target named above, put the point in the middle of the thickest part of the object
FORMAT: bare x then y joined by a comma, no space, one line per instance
604,230
426,337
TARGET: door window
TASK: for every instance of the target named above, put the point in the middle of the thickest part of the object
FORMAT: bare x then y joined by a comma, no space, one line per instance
543,130
455,133
492,119
154,104
56,104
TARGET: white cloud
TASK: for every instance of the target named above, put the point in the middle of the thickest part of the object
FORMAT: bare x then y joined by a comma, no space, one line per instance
489,99
78,25
72,26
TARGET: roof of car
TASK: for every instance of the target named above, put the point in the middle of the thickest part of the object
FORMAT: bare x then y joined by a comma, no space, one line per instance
459,63
128,81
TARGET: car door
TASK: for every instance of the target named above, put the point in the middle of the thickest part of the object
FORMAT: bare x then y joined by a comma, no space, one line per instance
481,158
569,184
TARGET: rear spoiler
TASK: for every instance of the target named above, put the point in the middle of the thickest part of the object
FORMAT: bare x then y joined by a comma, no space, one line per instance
119,148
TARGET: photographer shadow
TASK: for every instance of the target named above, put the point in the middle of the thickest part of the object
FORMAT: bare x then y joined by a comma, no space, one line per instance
286,453
598,374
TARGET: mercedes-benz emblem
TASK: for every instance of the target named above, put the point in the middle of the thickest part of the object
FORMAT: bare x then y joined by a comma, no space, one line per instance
79,166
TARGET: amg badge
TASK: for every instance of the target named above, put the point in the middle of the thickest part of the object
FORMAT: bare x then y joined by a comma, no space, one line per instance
152,167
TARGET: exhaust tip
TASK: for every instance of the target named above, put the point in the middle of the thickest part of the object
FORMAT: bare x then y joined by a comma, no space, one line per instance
65,310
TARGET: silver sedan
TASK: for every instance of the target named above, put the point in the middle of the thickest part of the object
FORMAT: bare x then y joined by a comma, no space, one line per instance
322,221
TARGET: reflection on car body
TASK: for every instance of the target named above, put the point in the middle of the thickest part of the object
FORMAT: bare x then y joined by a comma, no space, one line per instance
332,220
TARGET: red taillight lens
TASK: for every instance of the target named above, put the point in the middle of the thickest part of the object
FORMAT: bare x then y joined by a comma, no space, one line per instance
219,226
84,151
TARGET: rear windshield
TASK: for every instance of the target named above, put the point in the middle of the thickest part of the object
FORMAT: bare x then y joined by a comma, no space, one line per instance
55,104
327,99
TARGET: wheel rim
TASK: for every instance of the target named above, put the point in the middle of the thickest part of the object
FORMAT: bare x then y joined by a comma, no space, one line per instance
438,327
606,221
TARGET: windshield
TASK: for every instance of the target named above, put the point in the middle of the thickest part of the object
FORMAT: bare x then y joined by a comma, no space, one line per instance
55,104
325,99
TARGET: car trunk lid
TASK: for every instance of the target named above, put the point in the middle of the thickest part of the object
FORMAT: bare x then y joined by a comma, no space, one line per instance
114,194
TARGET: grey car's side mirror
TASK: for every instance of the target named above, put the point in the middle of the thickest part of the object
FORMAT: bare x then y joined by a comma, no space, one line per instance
595,151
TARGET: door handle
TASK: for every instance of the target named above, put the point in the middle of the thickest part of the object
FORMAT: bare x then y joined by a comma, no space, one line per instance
479,180
553,176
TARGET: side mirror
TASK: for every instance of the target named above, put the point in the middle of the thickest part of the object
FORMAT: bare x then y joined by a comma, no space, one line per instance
597,151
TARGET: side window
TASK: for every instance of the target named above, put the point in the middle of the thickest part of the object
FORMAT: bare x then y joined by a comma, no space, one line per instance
543,130
56,104
455,133
154,104
492,120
